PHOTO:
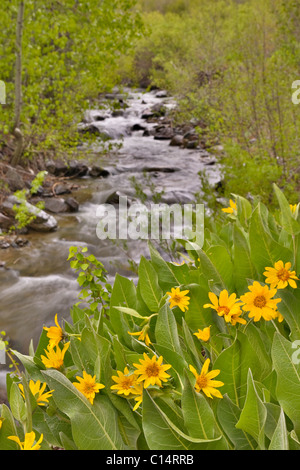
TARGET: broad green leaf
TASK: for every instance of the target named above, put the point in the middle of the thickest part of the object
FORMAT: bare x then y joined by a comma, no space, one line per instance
289,307
221,260
123,295
265,250
253,416
198,416
8,428
288,222
166,332
228,415
162,434
150,290
243,266
166,277
279,439
94,427
210,271
234,363
287,367
51,426
17,403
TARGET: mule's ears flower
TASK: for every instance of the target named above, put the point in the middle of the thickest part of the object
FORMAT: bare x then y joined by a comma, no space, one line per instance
204,334
280,276
28,443
54,333
232,209
204,381
179,298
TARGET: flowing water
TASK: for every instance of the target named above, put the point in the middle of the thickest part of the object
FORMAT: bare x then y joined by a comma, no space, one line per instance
37,281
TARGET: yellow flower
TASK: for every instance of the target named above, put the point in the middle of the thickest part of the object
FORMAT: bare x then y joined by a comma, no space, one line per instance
259,303
179,298
226,305
1,422
28,443
37,389
236,318
55,333
125,382
142,335
204,334
88,386
232,209
55,358
138,390
293,208
204,380
151,371
278,316
280,276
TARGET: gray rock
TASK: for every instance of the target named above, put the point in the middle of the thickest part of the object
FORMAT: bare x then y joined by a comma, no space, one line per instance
56,205
43,222
14,180
192,144
5,222
72,204
177,140
61,189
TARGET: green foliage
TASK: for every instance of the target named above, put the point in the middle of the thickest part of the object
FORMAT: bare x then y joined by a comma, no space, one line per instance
23,215
257,361
231,66
69,56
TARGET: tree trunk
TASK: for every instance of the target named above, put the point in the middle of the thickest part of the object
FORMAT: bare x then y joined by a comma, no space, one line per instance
18,86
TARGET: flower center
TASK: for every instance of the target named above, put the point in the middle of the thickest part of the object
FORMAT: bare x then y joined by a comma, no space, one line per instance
127,383
283,274
88,388
260,301
201,381
177,299
152,370
223,310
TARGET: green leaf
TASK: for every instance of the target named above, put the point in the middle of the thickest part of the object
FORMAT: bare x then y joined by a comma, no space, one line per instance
287,367
166,332
149,287
253,416
8,428
243,267
167,278
289,307
198,416
162,434
234,363
228,415
280,439
265,250
130,311
123,295
288,222
94,427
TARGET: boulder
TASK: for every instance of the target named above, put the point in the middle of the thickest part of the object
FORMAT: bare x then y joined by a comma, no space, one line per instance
73,205
164,133
177,140
43,222
5,222
56,205
14,180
